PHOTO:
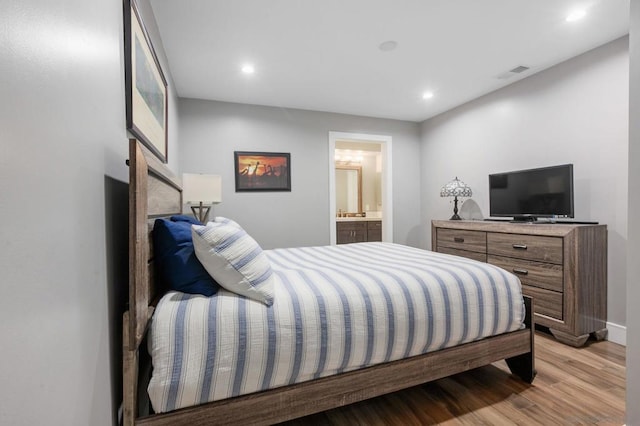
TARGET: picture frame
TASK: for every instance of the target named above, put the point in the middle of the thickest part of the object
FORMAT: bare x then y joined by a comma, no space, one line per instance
145,85
262,171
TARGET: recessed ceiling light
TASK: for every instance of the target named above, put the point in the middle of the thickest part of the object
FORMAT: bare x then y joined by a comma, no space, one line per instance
427,95
248,69
576,15
388,46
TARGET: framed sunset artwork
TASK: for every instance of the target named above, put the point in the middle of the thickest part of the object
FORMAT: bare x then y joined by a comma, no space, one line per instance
262,171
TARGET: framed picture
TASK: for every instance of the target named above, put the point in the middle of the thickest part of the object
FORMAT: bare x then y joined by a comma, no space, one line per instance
262,171
145,85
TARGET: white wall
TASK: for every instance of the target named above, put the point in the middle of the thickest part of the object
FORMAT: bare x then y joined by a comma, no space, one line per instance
63,211
211,131
575,112
633,253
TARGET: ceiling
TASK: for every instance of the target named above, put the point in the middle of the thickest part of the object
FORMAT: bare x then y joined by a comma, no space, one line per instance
324,55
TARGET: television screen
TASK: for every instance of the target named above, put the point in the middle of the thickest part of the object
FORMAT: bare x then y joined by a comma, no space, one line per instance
527,194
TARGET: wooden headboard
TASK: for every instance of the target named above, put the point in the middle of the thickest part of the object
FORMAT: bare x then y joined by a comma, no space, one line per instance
154,192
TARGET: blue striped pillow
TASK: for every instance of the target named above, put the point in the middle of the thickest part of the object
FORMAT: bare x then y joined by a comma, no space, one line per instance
235,260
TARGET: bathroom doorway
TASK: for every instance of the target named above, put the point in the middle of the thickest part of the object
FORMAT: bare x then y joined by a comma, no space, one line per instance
362,162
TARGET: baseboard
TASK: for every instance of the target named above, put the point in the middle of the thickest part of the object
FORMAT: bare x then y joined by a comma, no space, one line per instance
617,333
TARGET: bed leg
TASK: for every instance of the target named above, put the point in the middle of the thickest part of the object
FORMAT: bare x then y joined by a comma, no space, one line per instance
523,365
130,377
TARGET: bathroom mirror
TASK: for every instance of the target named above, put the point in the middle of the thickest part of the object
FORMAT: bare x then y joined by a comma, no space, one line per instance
348,189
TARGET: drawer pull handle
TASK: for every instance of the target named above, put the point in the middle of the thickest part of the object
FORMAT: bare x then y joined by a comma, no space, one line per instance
458,239
520,271
520,246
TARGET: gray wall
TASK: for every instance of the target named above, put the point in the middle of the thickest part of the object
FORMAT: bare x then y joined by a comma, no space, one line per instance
575,112
211,131
63,192
633,251
63,205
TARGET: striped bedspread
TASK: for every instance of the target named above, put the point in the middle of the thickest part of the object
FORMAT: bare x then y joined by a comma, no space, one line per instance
336,309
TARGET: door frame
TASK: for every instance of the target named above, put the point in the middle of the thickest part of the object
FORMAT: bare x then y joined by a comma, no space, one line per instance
386,181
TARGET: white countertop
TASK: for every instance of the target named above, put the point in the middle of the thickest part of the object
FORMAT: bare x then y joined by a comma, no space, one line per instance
357,219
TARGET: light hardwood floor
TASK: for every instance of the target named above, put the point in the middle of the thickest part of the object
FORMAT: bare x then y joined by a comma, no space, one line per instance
581,386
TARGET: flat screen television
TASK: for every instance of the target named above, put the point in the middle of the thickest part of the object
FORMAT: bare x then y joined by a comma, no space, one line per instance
527,195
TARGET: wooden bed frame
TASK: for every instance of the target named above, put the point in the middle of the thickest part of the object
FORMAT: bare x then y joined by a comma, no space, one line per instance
154,192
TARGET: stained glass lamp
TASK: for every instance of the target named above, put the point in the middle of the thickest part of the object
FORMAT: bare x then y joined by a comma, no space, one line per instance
456,188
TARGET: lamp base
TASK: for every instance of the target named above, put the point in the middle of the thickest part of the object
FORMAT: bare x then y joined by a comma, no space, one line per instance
201,212
455,209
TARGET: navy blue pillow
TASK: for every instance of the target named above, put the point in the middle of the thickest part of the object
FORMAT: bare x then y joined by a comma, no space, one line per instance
186,218
177,266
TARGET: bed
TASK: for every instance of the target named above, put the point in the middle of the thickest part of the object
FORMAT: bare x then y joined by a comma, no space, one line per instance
407,327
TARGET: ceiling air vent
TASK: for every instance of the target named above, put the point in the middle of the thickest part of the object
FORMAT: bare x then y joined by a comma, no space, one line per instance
517,70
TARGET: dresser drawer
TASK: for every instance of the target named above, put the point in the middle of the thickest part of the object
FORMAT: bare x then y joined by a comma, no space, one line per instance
547,302
462,240
535,274
531,247
480,257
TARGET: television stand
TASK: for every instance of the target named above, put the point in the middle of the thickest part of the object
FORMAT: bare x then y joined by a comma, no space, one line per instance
543,221
574,222
524,219
514,219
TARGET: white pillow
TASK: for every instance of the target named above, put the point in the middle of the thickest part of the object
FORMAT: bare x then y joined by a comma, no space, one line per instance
225,221
234,260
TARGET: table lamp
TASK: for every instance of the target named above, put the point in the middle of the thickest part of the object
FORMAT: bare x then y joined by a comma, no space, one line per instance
203,190
456,188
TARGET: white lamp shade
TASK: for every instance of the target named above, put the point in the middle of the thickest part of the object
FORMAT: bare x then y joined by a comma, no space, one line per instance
203,188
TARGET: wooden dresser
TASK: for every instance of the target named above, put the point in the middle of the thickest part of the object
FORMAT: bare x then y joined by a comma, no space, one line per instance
562,266
358,231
